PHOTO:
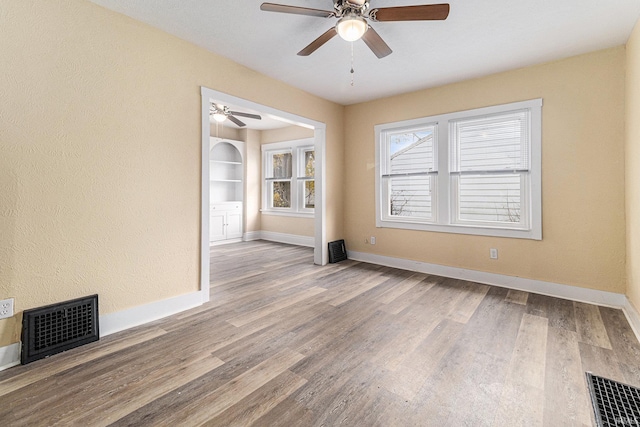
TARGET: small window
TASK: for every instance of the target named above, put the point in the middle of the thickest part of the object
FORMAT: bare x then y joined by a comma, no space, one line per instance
469,172
286,192
307,178
278,179
409,174
490,170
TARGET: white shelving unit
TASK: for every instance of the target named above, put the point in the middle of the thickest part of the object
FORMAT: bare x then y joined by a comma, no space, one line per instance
226,171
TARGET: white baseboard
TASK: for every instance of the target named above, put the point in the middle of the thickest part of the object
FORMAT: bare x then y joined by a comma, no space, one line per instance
251,235
225,242
574,293
121,320
9,356
292,239
633,317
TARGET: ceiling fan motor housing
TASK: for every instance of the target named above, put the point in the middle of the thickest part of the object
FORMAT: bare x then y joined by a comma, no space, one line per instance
350,7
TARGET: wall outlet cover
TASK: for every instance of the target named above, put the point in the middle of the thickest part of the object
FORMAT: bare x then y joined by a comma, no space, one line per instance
6,308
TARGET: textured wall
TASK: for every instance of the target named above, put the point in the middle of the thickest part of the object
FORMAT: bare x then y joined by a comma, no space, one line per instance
582,174
253,180
632,157
100,154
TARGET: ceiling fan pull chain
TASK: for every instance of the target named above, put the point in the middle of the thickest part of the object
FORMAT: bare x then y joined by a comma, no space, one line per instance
352,71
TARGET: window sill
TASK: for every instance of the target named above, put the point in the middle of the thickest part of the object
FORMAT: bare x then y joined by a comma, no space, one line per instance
289,214
464,229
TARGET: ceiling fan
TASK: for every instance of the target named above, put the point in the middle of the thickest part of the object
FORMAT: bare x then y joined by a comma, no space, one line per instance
220,113
353,25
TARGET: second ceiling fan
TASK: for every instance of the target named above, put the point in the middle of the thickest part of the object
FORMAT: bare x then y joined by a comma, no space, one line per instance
353,25
220,113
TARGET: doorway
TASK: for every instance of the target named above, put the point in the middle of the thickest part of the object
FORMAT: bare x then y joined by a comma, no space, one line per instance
319,131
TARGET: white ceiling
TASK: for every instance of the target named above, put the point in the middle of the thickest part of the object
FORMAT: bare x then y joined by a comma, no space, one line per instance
480,37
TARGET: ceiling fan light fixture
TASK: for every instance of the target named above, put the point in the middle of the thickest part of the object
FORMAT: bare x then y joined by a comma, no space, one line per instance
219,117
351,28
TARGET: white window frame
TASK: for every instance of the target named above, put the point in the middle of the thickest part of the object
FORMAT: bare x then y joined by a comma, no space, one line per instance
297,148
443,218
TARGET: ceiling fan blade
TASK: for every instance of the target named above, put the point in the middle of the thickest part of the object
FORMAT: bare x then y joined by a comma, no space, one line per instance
314,45
426,12
283,8
236,121
375,43
241,114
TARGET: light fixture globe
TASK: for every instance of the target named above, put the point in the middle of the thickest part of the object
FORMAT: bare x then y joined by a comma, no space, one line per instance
351,28
219,117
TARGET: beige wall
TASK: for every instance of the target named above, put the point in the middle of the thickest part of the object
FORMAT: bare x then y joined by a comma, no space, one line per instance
253,180
226,132
285,224
100,163
288,133
582,174
632,157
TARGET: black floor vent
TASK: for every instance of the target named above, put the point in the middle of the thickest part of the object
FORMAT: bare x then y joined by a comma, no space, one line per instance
337,251
59,327
614,404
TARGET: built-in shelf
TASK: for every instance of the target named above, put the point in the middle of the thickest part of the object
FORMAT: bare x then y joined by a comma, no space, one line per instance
226,174
226,170
224,162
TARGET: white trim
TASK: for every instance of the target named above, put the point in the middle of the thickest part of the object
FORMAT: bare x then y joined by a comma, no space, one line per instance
291,239
275,212
205,206
557,290
633,317
295,147
125,319
251,235
120,320
574,293
225,242
115,322
321,253
443,217
10,355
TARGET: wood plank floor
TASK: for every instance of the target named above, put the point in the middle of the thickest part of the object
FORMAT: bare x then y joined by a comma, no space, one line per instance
287,343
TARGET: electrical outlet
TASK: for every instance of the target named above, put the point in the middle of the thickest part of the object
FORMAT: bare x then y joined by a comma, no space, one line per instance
493,253
6,308
372,240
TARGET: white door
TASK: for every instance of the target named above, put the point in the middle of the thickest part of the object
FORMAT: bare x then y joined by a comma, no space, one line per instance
234,224
217,220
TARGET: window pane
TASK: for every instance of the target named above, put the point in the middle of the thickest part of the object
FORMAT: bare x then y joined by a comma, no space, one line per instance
309,164
282,165
492,143
309,194
410,196
492,198
411,152
281,194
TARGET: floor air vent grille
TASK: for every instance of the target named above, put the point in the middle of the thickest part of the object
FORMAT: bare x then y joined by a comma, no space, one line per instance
59,327
337,251
614,403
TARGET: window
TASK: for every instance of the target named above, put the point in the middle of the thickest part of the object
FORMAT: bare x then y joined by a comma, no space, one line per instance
470,172
289,173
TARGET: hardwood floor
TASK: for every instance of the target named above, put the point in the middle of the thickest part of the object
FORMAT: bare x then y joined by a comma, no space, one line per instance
287,343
